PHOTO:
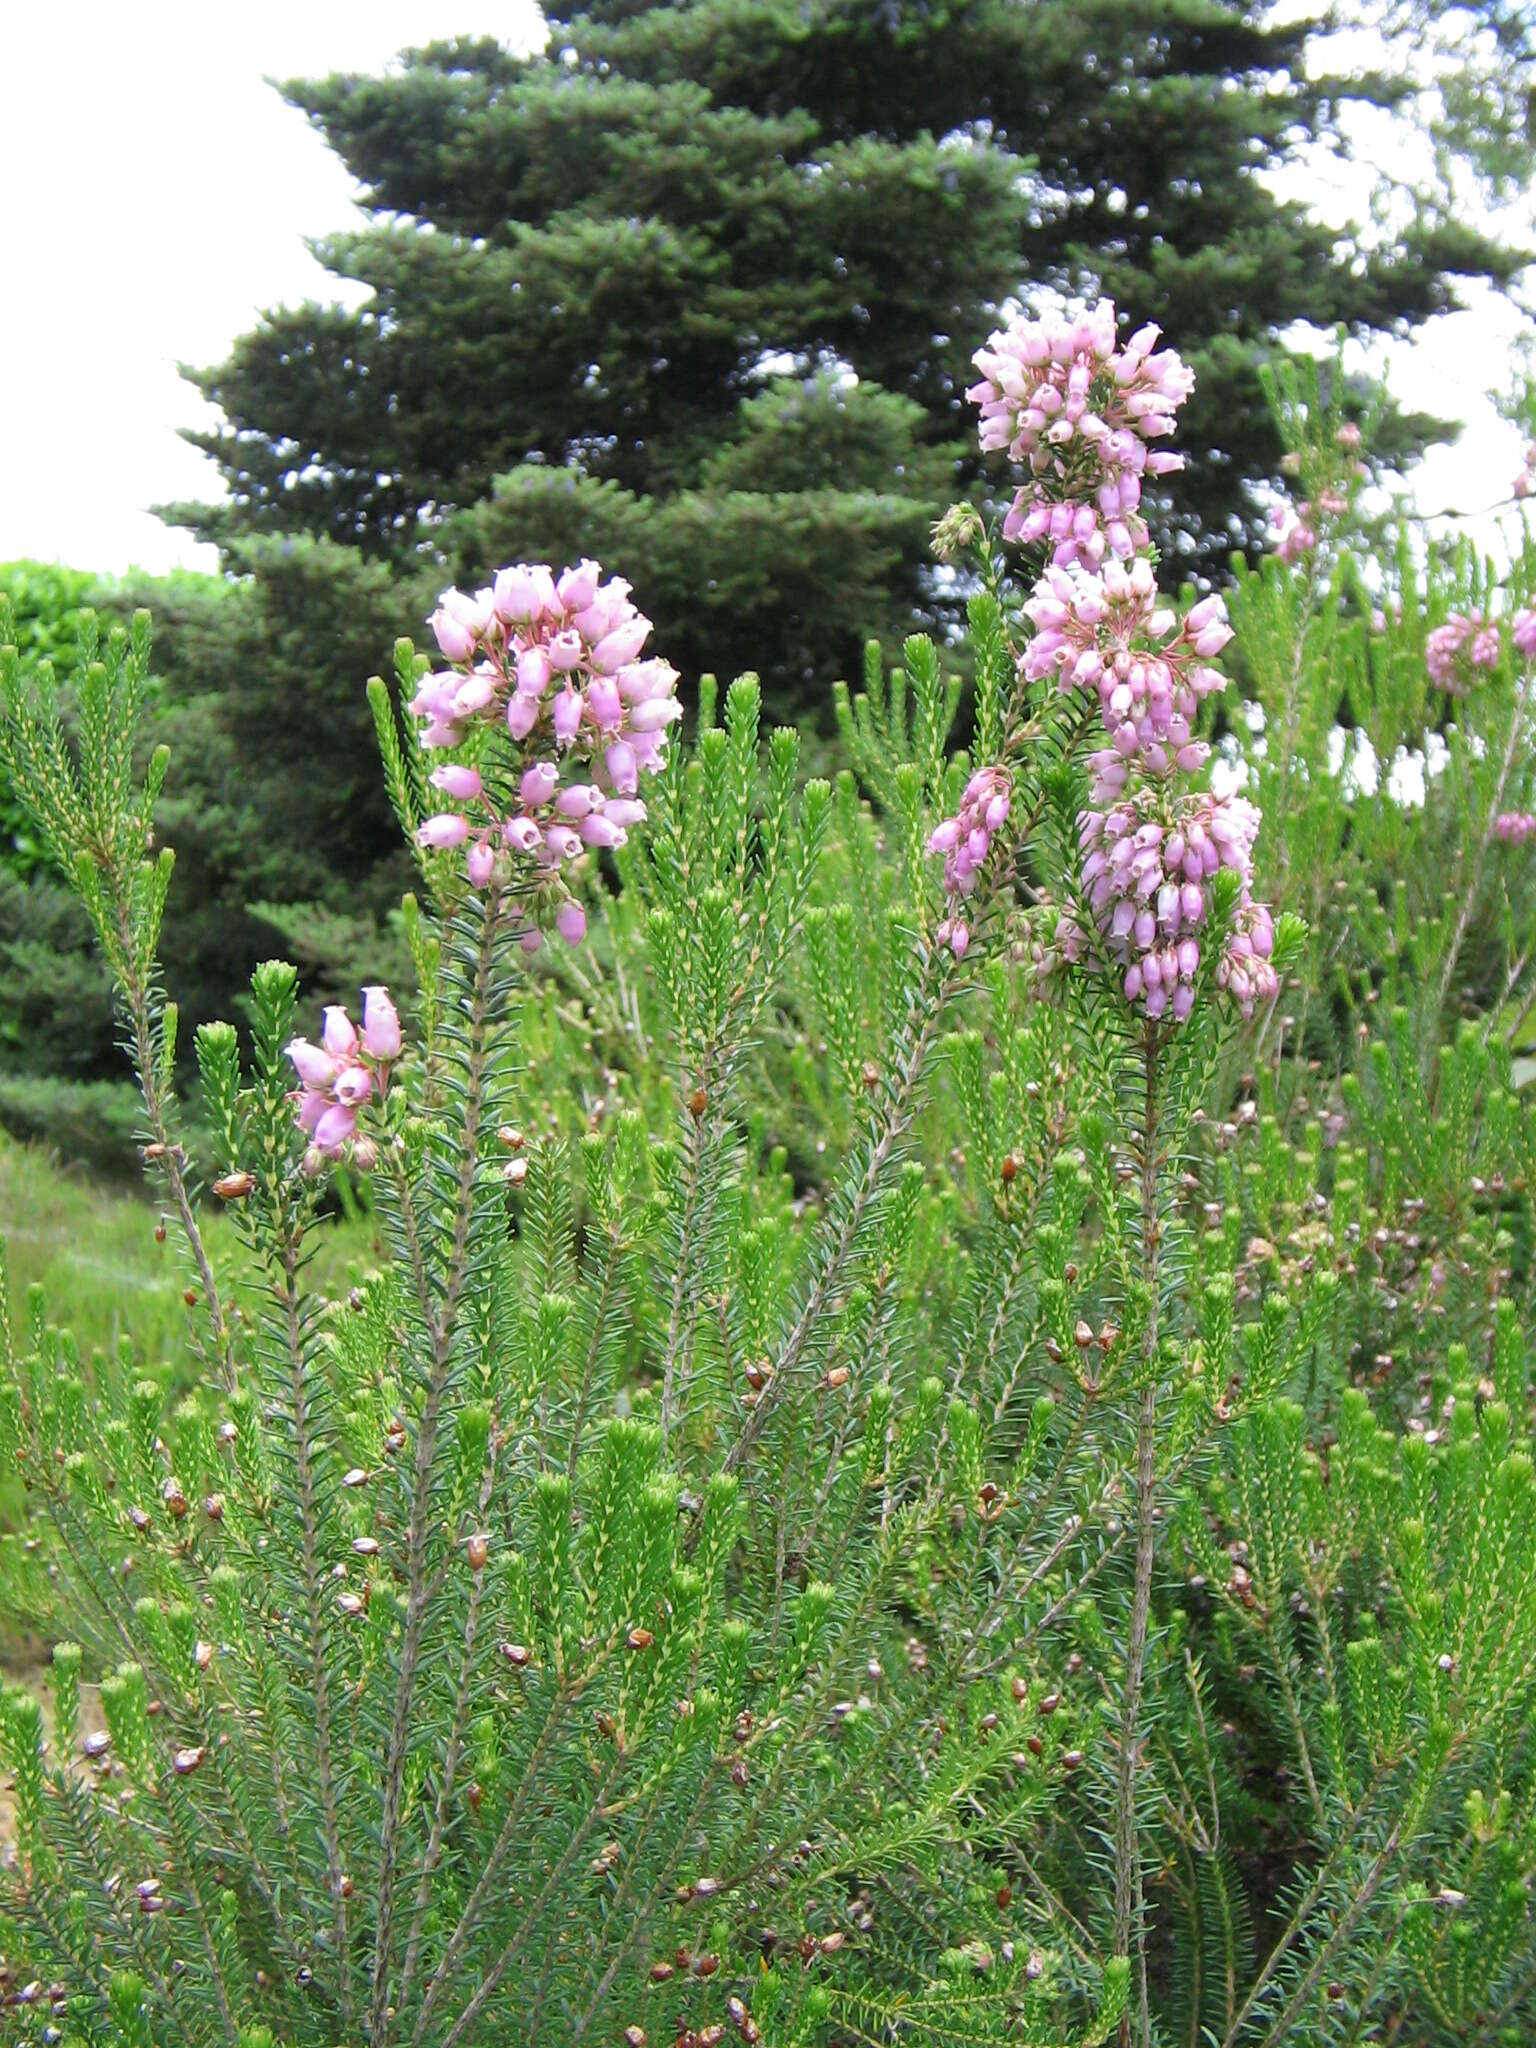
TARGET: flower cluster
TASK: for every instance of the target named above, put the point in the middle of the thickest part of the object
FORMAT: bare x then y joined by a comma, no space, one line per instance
1514,827
556,662
1524,485
1108,634
1522,631
342,1073
1335,471
965,840
1147,865
1295,535
1465,643
1059,396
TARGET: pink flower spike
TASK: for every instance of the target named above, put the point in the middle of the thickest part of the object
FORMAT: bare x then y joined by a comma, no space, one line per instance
448,828
566,651
339,1036
316,1069
455,640
604,704
354,1085
519,592
533,671
539,784
578,587
598,829
381,1024
457,781
619,760
335,1127
655,714
618,648
567,716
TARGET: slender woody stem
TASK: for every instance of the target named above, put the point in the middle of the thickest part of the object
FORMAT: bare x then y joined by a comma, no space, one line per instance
440,1323
1129,1925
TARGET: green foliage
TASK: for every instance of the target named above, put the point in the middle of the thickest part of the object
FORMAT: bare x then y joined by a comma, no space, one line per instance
861,1496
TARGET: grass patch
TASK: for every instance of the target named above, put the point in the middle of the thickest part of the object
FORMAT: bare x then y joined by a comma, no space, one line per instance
91,1249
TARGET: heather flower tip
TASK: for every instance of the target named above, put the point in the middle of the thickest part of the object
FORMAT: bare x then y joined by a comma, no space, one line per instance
1459,650
1062,399
341,1076
1149,862
554,664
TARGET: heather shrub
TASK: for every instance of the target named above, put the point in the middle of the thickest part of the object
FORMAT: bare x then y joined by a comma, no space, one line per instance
939,1447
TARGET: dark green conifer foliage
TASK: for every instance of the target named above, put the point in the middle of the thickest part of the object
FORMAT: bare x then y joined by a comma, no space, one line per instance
652,245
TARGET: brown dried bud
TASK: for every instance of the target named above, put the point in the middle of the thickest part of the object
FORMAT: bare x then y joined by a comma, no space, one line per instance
230,1187
96,1744
705,1887
1053,1351
1035,1746
1070,1759
511,1137
837,1377
186,1761
831,1943
634,2037
189,1296
474,1795
213,1506
639,1639
175,1500
159,1233
351,1603
477,1549
356,1477
515,1172
1048,1705
344,1886
366,1546
1010,1168
756,1376
660,1972
156,1151
202,1654
139,1519
706,1966
870,1074
698,1102
517,1654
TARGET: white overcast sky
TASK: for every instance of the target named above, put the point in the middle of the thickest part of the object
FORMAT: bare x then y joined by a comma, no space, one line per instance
158,196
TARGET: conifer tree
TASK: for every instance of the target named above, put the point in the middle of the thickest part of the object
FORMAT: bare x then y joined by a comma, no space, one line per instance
625,285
